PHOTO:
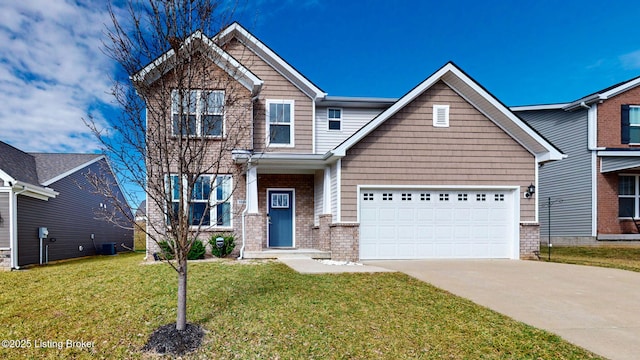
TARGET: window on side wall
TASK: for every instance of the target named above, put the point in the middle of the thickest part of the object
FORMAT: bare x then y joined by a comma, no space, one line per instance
209,203
334,117
197,113
280,120
628,196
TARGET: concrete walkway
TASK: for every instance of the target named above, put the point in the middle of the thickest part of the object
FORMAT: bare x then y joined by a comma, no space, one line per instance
307,265
595,308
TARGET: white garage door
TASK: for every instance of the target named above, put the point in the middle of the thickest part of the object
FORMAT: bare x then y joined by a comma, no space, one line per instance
425,224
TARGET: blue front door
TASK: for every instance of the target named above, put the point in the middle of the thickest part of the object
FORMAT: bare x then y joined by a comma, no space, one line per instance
280,218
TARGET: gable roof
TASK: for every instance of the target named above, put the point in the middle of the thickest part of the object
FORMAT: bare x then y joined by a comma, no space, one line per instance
17,165
478,97
238,32
53,167
604,94
200,42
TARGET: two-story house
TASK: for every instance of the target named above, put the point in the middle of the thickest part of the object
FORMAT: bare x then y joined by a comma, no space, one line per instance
445,171
595,194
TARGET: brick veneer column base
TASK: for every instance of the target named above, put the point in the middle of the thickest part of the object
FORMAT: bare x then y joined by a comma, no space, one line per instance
529,241
5,260
345,241
255,231
324,232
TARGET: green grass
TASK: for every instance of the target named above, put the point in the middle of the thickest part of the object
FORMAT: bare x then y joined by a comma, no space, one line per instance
626,258
257,311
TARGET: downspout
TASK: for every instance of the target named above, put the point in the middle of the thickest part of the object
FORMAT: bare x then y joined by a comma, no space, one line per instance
592,146
14,228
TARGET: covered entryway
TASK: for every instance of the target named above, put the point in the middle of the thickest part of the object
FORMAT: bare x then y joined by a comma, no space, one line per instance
404,223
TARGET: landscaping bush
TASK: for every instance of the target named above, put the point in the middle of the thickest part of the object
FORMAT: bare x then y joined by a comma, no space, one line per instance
197,250
229,245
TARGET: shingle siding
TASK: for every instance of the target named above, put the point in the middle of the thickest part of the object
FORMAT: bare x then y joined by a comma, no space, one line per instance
569,180
276,87
408,150
70,218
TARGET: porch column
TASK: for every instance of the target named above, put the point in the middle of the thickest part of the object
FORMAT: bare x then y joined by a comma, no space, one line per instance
326,201
252,189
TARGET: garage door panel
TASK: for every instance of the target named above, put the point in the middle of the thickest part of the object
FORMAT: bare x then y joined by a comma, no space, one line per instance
405,223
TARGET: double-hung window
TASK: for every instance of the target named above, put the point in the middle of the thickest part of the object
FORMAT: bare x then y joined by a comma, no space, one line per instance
334,117
280,118
197,112
209,203
628,196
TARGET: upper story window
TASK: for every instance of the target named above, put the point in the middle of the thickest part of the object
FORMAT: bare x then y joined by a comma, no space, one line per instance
197,112
280,119
630,124
334,117
210,200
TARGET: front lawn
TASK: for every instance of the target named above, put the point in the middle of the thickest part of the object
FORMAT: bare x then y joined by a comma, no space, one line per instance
254,310
626,258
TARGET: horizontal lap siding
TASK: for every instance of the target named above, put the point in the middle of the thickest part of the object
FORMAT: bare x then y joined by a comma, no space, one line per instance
568,180
352,121
4,220
408,150
276,87
71,218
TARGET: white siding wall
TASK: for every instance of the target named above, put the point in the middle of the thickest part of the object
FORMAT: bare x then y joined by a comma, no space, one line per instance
352,120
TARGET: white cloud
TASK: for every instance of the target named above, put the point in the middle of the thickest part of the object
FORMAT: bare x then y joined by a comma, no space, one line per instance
631,61
52,73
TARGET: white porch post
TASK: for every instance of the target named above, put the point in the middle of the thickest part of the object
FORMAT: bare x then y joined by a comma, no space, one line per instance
326,202
252,190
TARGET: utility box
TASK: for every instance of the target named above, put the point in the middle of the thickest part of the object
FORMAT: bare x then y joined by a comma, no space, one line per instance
109,248
43,232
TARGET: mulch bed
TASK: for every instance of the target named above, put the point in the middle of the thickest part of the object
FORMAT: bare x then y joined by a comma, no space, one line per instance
167,340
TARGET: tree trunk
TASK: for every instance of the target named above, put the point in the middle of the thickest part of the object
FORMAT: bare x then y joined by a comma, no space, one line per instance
181,321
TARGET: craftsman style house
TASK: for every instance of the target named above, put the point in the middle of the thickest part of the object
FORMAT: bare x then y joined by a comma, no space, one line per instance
52,192
445,171
595,194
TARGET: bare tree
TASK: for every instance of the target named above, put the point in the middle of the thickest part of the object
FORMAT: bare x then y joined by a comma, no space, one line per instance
183,112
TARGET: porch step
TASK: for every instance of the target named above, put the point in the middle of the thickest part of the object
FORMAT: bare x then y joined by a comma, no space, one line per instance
287,253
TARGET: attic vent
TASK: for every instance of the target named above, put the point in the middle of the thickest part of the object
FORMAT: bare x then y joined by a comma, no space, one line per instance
441,115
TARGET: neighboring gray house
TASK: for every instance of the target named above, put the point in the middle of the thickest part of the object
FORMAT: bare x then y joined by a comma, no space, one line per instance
51,191
595,192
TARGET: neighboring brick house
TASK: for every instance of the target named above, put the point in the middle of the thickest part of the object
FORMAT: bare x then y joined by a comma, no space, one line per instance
446,171
595,193
44,190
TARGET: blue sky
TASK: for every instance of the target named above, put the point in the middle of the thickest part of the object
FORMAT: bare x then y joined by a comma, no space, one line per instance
53,73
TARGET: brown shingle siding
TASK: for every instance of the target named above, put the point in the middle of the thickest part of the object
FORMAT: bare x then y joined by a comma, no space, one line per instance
408,150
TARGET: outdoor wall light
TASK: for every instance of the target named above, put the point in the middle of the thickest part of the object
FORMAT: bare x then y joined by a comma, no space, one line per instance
531,189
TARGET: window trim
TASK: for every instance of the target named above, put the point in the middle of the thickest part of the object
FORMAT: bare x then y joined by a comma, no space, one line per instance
200,112
338,120
291,104
213,201
636,196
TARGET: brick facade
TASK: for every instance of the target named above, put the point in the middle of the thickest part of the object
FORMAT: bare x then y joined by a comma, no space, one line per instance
529,240
302,185
609,136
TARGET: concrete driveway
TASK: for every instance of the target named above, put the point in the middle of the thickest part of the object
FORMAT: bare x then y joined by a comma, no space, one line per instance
595,308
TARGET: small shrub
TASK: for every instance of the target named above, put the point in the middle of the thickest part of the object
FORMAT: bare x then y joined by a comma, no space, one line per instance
166,250
229,245
197,251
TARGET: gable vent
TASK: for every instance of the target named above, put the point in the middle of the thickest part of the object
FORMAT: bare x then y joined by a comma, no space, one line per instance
441,115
